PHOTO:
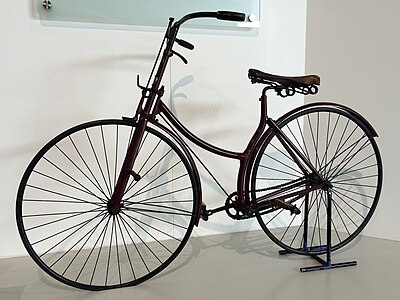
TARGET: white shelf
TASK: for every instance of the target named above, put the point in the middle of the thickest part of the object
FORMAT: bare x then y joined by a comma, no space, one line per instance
145,13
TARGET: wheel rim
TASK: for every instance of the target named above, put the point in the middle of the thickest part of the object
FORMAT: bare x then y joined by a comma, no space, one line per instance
62,210
345,153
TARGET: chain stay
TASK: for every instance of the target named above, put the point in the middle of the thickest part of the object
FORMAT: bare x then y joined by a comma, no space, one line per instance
238,215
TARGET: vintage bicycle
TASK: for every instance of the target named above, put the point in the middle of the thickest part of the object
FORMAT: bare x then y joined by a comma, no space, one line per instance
111,203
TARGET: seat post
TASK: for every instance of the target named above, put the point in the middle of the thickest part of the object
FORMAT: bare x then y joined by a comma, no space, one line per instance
264,103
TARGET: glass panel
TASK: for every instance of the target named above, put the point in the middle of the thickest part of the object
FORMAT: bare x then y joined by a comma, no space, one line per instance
146,12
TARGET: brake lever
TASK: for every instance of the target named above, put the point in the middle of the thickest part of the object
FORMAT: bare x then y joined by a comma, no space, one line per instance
180,56
185,44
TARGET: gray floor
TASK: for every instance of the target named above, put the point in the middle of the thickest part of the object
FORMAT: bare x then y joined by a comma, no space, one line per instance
233,266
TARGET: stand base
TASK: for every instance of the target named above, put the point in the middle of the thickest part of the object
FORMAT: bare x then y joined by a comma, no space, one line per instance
328,266
325,265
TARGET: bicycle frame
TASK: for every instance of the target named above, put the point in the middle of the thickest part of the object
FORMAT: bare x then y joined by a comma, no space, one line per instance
151,105
246,157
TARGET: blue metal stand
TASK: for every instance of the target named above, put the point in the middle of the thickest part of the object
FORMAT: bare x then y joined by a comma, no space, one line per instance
324,264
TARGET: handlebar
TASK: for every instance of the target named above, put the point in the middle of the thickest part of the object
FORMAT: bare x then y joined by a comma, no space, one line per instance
220,15
150,93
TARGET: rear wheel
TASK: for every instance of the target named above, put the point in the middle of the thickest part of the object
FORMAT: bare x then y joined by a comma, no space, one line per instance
344,152
62,213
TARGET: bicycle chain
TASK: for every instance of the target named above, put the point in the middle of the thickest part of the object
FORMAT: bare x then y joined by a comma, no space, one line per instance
243,217
280,186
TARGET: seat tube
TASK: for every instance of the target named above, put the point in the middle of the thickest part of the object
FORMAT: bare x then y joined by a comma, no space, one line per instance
249,154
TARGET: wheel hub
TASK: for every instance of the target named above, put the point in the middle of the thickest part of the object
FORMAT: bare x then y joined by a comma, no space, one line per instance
114,211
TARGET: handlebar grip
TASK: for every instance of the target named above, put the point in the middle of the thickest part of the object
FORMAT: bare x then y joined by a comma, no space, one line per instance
231,16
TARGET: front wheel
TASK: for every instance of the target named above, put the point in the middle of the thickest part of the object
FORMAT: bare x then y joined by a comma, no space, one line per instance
62,213
344,152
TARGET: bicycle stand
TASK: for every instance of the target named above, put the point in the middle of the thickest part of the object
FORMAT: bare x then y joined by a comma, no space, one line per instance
324,264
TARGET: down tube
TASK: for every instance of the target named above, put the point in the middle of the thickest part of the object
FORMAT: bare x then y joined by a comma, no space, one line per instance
246,158
242,157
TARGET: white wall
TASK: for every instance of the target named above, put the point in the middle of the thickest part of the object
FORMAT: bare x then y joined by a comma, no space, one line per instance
53,78
355,46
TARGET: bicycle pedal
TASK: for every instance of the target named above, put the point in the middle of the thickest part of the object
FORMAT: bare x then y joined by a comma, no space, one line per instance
295,210
204,213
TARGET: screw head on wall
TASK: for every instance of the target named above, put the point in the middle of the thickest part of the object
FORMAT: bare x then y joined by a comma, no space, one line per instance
47,4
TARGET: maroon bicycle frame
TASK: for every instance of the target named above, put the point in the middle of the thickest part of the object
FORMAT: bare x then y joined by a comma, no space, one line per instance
247,157
151,105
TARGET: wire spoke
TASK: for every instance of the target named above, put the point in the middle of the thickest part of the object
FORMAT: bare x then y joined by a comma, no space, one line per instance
338,168
339,150
302,145
88,191
61,194
133,183
148,233
157,196
100,204
143,242
156,229
137,209
350,198
98,163
104,231
126,248
73,213
140,192
89,235
351,170
159,219
277,170
92,249
79,225
124,223
348,205
66,184
59,220
353,192
106,159
95,182
163,206
282,163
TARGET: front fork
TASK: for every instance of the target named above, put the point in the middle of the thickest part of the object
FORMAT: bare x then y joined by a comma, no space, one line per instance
115,203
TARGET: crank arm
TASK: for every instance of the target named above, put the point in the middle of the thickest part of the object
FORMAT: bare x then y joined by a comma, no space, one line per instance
286,205
268,206
206,213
